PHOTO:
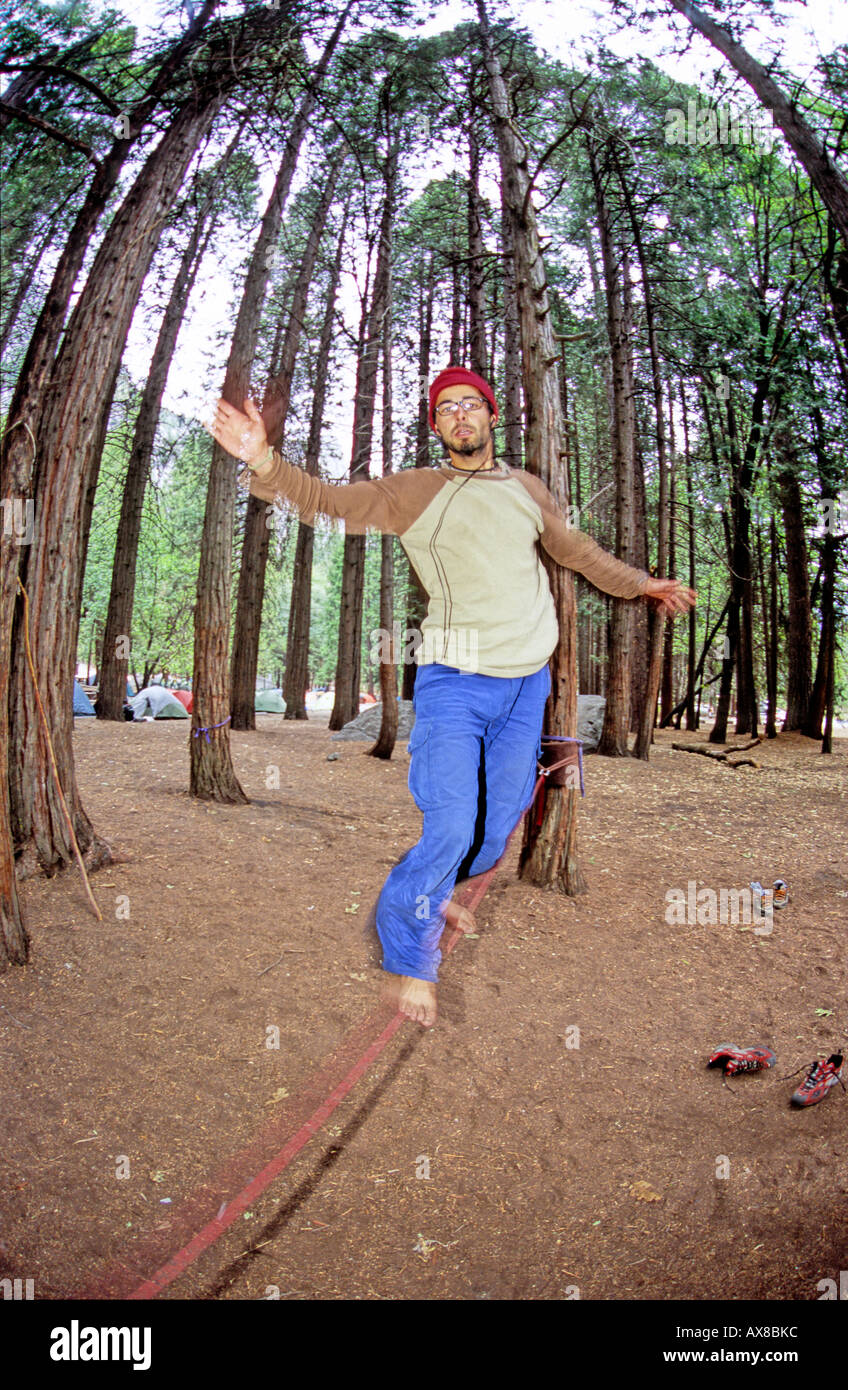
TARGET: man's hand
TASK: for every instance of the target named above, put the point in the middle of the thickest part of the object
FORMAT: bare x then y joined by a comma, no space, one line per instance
670,596
243,436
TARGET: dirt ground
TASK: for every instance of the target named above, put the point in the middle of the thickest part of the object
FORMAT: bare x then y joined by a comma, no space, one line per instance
557,1135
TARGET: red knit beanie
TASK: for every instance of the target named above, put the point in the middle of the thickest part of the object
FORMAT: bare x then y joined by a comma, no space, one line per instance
460,376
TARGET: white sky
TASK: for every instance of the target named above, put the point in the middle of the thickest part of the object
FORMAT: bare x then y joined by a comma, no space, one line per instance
569,29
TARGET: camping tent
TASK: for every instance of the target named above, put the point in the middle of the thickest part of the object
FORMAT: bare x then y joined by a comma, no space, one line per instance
320,699
185,697
158,702
82,704
270,702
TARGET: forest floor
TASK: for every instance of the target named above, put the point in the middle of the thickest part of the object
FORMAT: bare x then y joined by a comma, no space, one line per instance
557,1131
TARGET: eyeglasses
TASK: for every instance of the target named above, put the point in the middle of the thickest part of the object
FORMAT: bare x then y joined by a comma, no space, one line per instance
451,407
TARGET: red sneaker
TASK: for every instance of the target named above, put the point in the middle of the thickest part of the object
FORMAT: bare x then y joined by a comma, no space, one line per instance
821,1078
734,1059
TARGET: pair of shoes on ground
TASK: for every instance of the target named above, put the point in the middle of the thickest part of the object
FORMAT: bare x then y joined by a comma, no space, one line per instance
822,1075
776,896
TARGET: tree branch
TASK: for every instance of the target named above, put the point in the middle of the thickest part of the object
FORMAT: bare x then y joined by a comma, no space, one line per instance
51,130
108,102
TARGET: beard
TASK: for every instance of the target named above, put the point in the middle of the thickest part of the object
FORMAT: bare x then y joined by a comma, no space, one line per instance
473,444
468,446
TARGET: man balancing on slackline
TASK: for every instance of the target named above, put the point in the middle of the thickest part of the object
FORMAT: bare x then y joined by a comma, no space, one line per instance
470,529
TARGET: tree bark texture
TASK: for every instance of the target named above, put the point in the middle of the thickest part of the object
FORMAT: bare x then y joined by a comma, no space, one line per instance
799,635
384,746
416,602
476,259
212,776
648,713
619,330
512,412
257,532
549,850
115,659
25,406
300,606
348,664
70,434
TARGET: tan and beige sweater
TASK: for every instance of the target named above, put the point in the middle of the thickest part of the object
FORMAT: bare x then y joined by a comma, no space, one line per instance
473,539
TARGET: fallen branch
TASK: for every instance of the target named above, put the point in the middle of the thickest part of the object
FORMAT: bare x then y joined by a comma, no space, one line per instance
704,752
721,757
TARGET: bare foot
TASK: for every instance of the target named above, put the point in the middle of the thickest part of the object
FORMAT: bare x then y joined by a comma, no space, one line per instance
459,917
417,999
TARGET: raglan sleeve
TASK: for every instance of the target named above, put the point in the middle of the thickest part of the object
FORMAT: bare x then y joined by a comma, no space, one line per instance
577,551
379,504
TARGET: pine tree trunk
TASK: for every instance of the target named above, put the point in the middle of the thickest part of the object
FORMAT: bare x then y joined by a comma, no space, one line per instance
349,651
835,275
296,677
747,714
829,634
257,532
476,259
14,937
211,770
771,730
691,716
667,681
212,776
613,742
584,627
416,594
799,632
27,398
769,636
27,276
70,435
54,443
455,350
645,729
718,733
744,462
114,663
384,746
549,852
821,695
747,717
639,694
348,664
824,660
512,416
494,322
300,606
640,663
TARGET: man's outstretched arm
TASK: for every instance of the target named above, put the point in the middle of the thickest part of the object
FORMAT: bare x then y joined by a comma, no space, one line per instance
375,502
580,552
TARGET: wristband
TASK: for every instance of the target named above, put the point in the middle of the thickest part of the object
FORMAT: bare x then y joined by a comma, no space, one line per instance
267,457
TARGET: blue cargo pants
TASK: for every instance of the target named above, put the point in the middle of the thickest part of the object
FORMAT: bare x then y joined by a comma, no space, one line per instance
475,748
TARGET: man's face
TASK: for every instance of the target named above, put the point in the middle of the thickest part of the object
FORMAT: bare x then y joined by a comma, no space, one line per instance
465,431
